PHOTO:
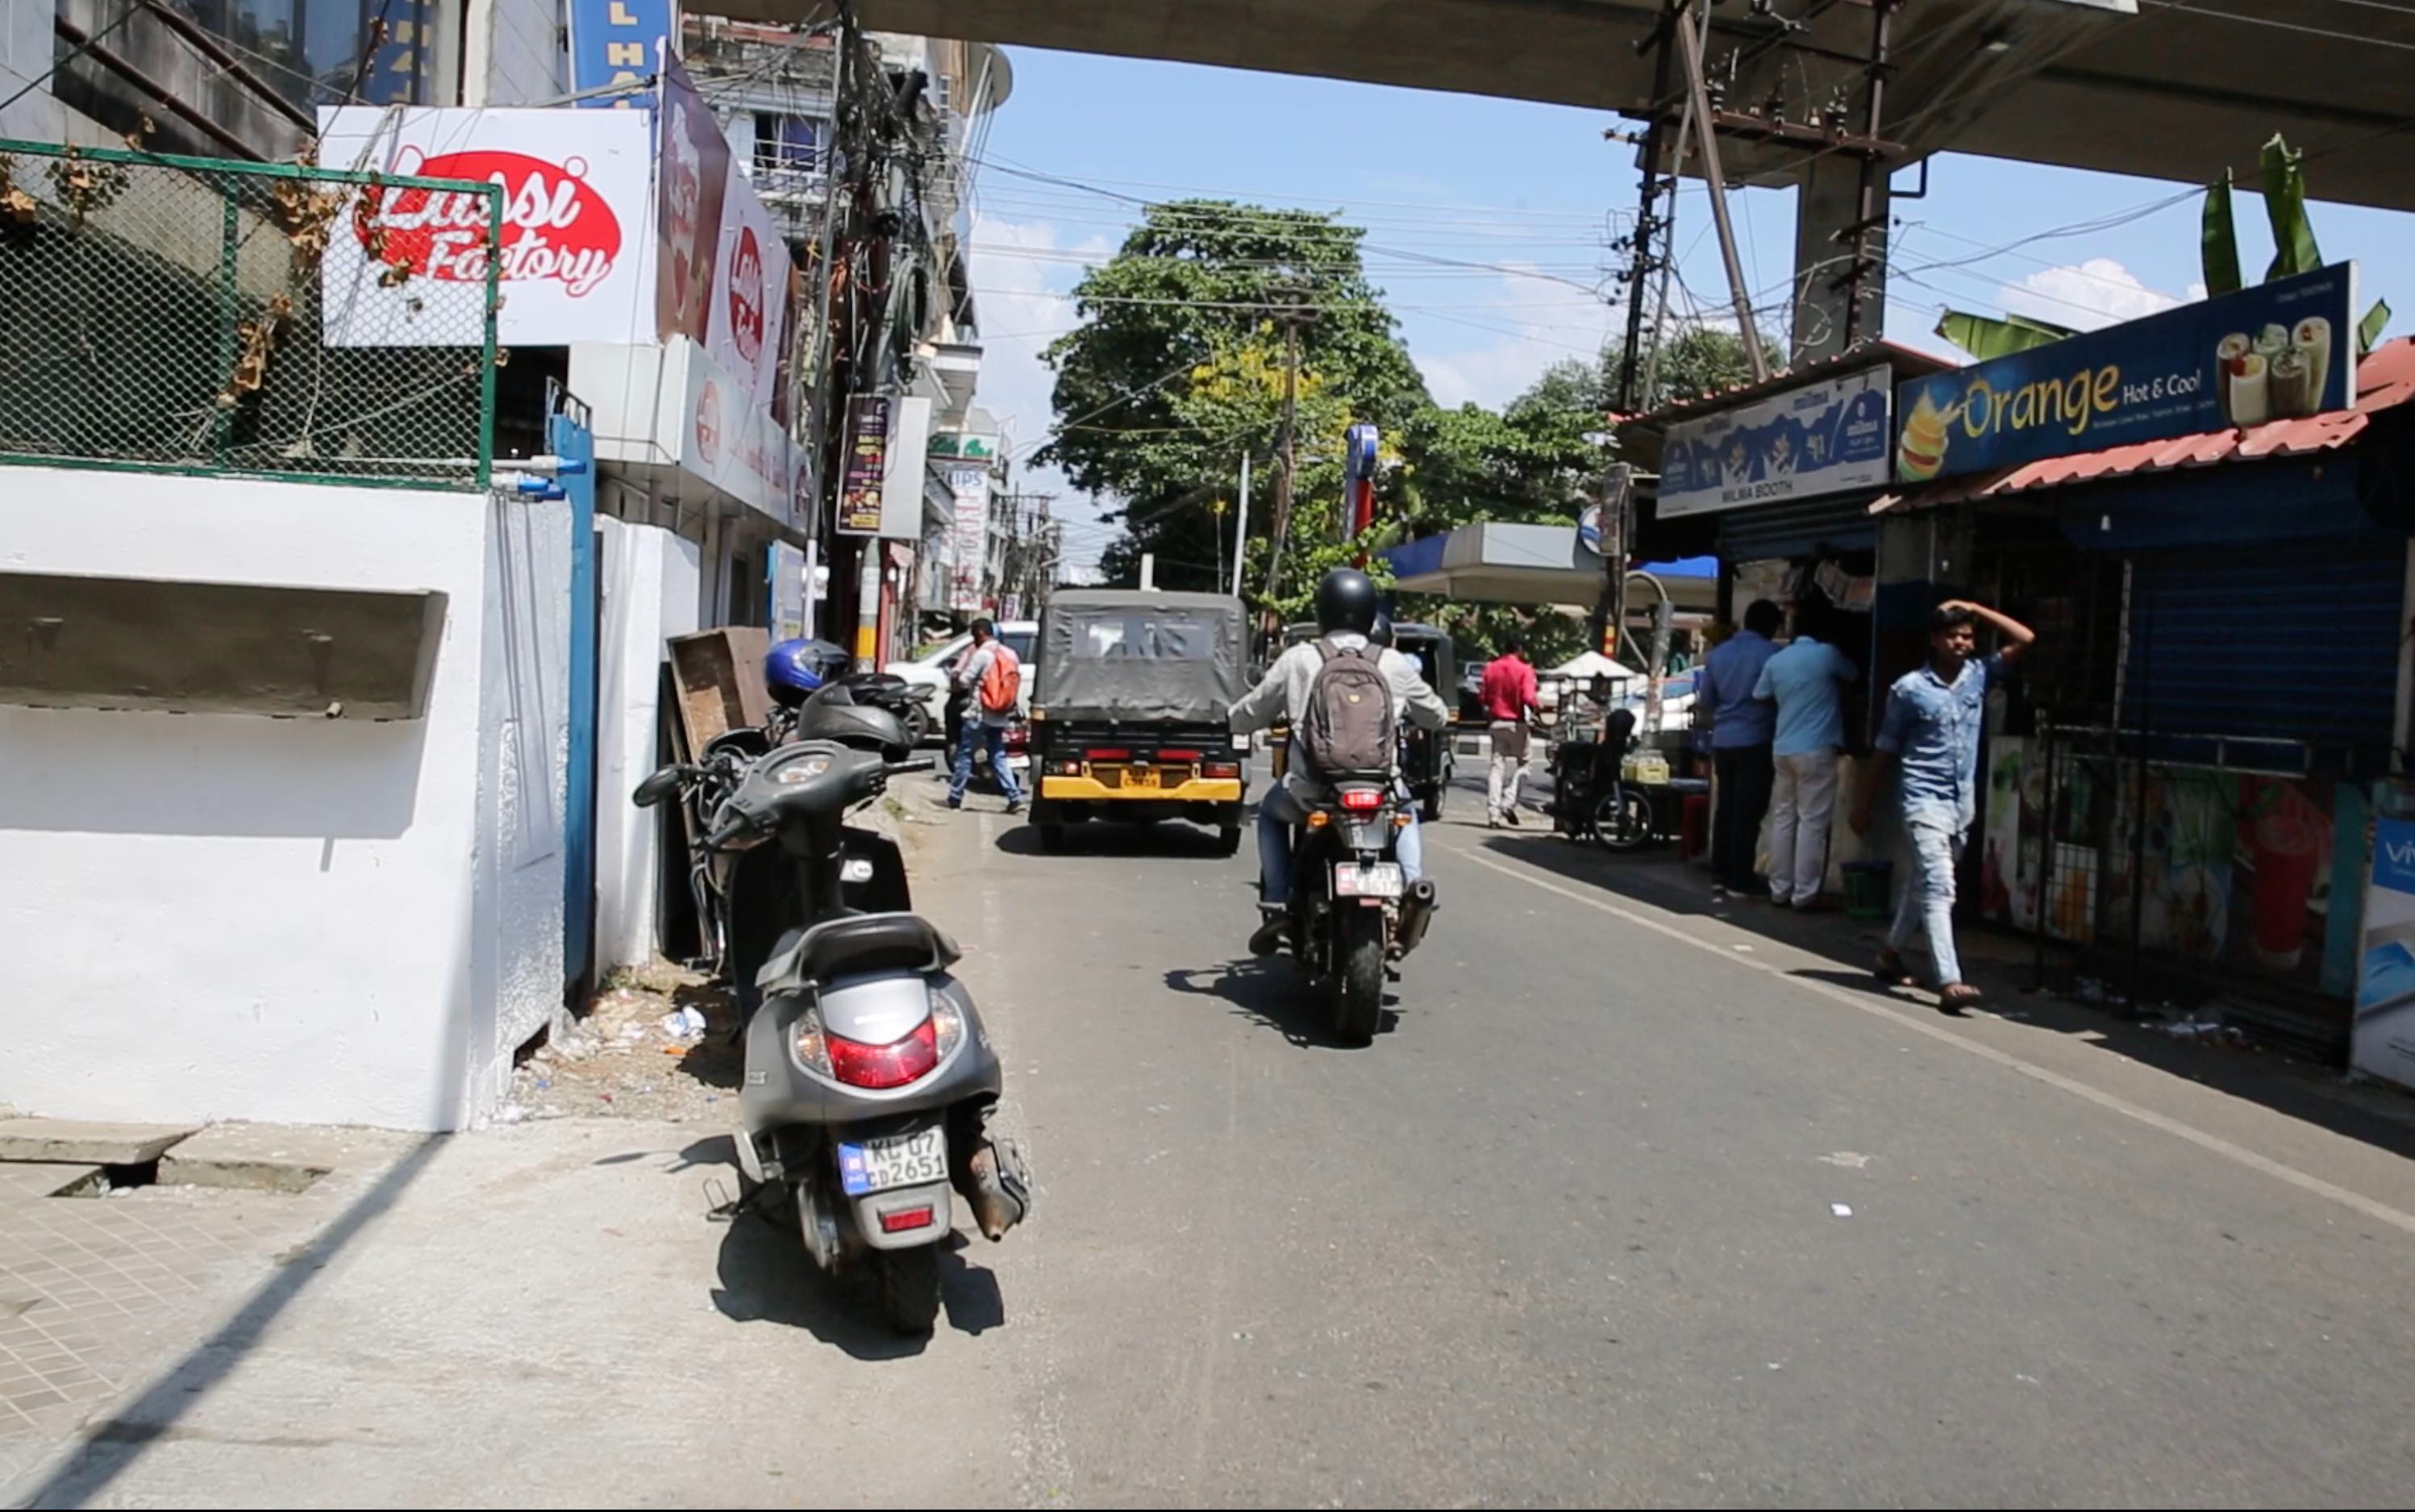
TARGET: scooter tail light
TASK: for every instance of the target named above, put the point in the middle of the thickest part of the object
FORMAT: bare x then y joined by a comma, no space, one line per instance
948,1021
809,1045
899,1063
905,1220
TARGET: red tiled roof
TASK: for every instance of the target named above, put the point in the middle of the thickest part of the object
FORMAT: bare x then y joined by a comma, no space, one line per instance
2385,379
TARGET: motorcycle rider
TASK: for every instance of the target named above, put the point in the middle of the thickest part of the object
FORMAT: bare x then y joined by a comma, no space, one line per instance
1347,614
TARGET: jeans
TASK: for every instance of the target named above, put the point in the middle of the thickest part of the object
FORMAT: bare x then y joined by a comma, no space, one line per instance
1926,899
1802,806
1278,811
978,729
1745,776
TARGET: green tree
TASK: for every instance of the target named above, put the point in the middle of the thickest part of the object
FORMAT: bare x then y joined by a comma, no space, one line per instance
1695,361
1179,366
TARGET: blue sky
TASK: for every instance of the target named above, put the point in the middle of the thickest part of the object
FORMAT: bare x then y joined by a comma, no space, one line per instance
1536,194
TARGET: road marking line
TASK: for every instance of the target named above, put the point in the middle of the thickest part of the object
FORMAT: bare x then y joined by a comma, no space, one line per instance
2379,1212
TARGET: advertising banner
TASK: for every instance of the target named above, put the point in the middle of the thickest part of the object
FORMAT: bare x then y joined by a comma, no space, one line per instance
578,264
1821,439
2383,1043
2282,350
688,206
616,43
749,309
964,446
865,472
788,591
968,548
733,444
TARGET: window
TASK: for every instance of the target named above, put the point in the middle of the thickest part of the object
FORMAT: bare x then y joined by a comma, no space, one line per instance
1022,642
311,51
1144,637
787,150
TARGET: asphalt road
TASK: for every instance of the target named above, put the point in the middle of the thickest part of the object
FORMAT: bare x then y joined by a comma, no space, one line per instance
1631,1204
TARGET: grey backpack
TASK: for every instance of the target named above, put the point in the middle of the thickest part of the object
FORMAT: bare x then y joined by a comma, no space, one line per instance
1349,729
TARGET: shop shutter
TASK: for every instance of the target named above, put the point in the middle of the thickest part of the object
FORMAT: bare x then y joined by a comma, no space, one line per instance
1761,533
2289,641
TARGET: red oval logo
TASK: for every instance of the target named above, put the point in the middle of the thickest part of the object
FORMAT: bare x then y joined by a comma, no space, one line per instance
556,225
746,297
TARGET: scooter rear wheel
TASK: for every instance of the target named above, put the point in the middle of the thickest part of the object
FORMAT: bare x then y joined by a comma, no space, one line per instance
909,1288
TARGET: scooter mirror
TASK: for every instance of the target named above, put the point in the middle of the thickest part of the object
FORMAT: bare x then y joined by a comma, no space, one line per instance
661,785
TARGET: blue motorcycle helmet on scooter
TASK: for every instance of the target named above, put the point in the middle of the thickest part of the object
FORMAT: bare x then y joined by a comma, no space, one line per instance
794,671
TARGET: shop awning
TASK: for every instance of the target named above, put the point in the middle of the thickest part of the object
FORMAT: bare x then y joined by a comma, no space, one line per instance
1498,563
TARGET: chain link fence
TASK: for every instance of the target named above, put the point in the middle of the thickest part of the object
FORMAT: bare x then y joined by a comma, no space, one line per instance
276,319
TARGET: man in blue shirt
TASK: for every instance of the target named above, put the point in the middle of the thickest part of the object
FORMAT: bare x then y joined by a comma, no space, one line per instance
1931,734
1742,727
1806,681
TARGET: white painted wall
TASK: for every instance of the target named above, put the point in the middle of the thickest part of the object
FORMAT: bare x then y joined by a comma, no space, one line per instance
652,581
515,56
222,915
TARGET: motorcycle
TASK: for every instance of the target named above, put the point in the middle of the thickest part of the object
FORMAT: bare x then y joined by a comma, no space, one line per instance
1353,913
869,1077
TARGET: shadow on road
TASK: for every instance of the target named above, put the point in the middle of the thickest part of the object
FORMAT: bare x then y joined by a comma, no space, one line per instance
765,1276
1272,992
2001,966
1164,839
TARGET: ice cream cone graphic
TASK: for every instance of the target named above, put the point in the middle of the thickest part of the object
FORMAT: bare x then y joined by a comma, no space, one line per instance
1920,453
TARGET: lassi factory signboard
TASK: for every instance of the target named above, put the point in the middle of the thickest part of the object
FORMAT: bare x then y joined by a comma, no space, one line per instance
2279,351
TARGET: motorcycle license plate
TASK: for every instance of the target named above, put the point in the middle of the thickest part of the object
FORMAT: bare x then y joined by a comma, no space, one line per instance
1381,879
897,1160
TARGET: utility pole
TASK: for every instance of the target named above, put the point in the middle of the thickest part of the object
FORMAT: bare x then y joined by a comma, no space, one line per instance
1241,524
1291,318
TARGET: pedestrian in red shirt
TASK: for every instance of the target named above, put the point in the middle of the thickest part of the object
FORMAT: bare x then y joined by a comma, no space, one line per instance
1508,694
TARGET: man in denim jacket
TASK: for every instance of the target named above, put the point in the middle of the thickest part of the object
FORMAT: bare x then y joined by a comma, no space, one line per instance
1930,734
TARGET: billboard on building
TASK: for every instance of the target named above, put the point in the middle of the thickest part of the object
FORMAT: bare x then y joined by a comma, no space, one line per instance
964,446
1820,439
732,443
577,254
880,491
689,193
2282,350
616,43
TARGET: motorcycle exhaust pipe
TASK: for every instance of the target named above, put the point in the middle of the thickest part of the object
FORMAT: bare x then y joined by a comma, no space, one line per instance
1416,912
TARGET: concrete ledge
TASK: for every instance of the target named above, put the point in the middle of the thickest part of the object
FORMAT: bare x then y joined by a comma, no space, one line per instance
258,1157
65,1141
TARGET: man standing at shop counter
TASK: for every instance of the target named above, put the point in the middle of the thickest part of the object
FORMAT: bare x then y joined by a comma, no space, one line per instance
1742,728
1930,734
1807,682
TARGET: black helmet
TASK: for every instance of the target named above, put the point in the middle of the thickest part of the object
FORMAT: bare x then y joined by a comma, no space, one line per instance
1382,633
1345,601
833,714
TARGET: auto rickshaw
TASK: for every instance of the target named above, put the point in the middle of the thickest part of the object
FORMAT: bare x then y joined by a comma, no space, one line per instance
1129,716
1427,762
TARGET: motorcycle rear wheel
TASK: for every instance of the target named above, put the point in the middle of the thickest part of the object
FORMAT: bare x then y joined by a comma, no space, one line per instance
1358,988
909,1288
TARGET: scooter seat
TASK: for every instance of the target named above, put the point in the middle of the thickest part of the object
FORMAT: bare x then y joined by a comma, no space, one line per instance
858,944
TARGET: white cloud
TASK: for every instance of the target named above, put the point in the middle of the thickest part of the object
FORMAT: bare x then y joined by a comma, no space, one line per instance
2087,295
1489,339
1021,268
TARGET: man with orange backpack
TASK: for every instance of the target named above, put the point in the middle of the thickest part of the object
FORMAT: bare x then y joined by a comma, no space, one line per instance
991,673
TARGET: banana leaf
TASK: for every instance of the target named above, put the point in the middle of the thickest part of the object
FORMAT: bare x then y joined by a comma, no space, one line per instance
1985,336
2368,330
2218,239
2285,204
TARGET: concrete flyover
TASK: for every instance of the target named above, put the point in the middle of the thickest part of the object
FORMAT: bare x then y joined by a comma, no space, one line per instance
2169,89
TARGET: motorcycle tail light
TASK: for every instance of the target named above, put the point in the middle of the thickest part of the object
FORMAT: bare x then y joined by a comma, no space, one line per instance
1362,800
905,1220
899,1063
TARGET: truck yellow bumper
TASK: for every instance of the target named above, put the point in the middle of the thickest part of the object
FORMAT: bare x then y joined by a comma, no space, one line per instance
1194,790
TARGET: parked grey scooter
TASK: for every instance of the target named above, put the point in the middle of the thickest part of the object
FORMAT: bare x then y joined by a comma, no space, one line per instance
869,1078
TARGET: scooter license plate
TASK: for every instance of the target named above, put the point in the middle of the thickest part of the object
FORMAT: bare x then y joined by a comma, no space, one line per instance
1378,880
896,1161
